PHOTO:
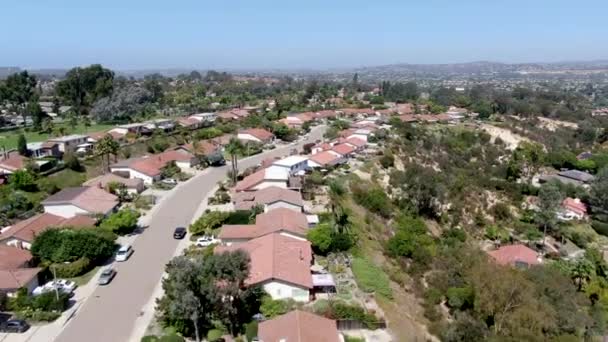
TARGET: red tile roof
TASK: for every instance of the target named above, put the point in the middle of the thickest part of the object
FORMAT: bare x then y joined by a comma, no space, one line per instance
203,147
513,254
250,181
11,280
153,164
27,230
343,149
13,162
575,205
104,180
276,257
299,326
12,257
324,158
187,121
355,142
276,220
259,133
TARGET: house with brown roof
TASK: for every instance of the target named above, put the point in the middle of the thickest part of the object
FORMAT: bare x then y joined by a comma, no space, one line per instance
12,258
149,168
572,209
258,135
202,149
280,264
132,185
326,159
22,233
357,143
81,200
297,120
263,178
270,198
11,161
12,280
346,150
284,221
299,326
515,255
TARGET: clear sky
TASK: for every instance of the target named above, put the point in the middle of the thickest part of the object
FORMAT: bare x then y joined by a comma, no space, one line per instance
140,34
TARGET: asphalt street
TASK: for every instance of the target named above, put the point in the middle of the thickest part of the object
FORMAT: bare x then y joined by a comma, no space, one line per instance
112,311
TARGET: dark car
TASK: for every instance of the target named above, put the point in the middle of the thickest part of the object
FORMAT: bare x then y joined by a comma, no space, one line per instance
14,326
179,233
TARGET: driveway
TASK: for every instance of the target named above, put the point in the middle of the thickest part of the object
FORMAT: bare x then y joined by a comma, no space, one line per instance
111,312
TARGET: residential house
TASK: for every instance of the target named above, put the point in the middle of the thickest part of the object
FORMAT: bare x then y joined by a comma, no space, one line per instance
166,125
346,150
204,117
149,168
258,135
358,144
136,129
515,255
284,221
279,264
132,185
270,198
13,280
205,149
292,164
81,200
299,326
572,209
320,147
271,176
12,161
360,133
13,258
297,120
43,149
326,159
575,177
233,114
70,143
22,233
189,122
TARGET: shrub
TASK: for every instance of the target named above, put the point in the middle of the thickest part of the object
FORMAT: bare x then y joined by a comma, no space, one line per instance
251,330
121,222
321,238
271,308
600,227
460,297
353,339
73,269
214,335
171,338
37,316
71,162
49,301
208,222
371,278
353,312
373,198
501,211
149,338
66,245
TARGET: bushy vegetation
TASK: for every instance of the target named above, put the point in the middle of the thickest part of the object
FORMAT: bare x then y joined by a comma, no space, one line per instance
371,278
121,222
67,245
212,220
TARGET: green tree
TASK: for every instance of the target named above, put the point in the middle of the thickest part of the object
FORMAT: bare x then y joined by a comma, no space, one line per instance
72,120
67,245
19,90
105,147
83,86
121,222
71,162
234,148
22,145
598,196
550,198
23,180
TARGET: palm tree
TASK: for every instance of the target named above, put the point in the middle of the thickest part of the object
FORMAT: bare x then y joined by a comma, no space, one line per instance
106,146
581,271
234,148
340,213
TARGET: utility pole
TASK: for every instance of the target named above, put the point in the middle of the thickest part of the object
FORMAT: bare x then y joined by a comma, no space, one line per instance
55,284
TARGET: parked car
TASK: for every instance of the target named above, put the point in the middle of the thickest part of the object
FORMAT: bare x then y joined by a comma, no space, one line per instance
106,276
124,252
179,233
206,241
14,326
62,285
169,181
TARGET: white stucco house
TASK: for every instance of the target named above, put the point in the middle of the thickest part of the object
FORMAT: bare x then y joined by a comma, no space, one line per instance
82,200
293,164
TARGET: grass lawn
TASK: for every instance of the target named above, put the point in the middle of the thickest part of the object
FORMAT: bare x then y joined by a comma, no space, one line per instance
67,178
8,139
371,278
85,278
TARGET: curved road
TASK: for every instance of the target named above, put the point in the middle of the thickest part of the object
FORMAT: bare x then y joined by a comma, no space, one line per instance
110,313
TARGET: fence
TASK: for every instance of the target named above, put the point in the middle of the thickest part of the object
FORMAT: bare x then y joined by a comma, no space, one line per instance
350,324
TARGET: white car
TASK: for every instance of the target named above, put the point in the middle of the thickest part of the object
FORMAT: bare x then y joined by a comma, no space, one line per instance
62,285
124,252
206,241
169,181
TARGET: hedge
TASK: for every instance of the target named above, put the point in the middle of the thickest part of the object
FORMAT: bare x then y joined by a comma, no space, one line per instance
73,269
37,316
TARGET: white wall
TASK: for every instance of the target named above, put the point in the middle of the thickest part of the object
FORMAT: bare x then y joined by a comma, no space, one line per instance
268,183
184,166
281,204
19,244
148,180
64,210
280,290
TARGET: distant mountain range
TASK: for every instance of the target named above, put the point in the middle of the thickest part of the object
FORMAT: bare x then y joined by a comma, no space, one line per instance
470,68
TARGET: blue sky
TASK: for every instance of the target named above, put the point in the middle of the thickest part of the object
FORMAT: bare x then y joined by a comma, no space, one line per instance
139,34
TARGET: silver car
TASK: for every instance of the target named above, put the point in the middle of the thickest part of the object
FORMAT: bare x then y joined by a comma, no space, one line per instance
106,276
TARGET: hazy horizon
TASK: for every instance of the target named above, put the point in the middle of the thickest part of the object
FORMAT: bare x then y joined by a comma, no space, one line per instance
315,35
